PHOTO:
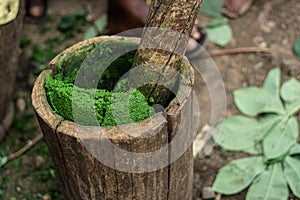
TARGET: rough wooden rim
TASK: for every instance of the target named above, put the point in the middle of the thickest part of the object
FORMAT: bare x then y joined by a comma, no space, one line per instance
44,111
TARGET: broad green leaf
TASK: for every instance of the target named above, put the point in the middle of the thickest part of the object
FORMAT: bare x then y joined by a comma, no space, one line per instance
281,138
3,161
72,21
272,82
212,8
237,175
290,90
238,133
8,10
297,47
71,24
270,184
255,149
292,107
295,149
266,124
3,156
220,35
97,28
101,23
292,174
253,101
297,157
217,22
290,93
90,32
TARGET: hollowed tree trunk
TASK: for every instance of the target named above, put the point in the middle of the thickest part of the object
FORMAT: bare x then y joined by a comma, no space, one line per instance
9,61
83,176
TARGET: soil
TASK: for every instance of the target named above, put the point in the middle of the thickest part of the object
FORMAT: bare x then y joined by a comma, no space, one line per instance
274,24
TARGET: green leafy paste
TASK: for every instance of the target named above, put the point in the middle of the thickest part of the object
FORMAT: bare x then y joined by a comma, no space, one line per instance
110,108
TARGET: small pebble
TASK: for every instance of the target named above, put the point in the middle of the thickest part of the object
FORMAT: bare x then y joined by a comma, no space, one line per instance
38,162
18,189
21,105
285,42
244,70
258,65
258,40
263,45
271,25
245,84
46,197
284,26
208,193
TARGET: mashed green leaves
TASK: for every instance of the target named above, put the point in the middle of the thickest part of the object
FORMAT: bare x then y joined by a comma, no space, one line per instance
110,108
101,105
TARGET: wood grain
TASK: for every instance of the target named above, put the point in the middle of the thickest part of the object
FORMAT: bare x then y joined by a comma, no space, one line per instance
9,58
74,150
162,49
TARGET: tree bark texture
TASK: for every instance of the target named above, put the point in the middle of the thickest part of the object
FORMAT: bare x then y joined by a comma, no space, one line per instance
82,176
162,49
9,60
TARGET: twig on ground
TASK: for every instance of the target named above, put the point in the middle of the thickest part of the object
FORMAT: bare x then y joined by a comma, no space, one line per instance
30,144
239,51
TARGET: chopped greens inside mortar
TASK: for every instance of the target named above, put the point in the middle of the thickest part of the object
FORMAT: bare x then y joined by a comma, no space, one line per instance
109,107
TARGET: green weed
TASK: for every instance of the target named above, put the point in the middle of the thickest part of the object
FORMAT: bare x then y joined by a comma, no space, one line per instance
269,132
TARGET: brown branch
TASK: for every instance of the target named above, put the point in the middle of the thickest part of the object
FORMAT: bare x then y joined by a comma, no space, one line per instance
161,49
239,51
25,148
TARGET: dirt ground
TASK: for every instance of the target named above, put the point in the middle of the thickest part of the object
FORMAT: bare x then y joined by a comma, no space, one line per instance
274,24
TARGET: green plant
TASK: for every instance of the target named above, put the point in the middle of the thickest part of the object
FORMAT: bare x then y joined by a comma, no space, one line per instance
24,42
270,133
96,28
72,24
297,47
3,158
42,56
219,32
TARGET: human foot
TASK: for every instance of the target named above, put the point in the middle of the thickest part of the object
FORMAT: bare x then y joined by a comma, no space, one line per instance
36,9
124,15
236,8
196,43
